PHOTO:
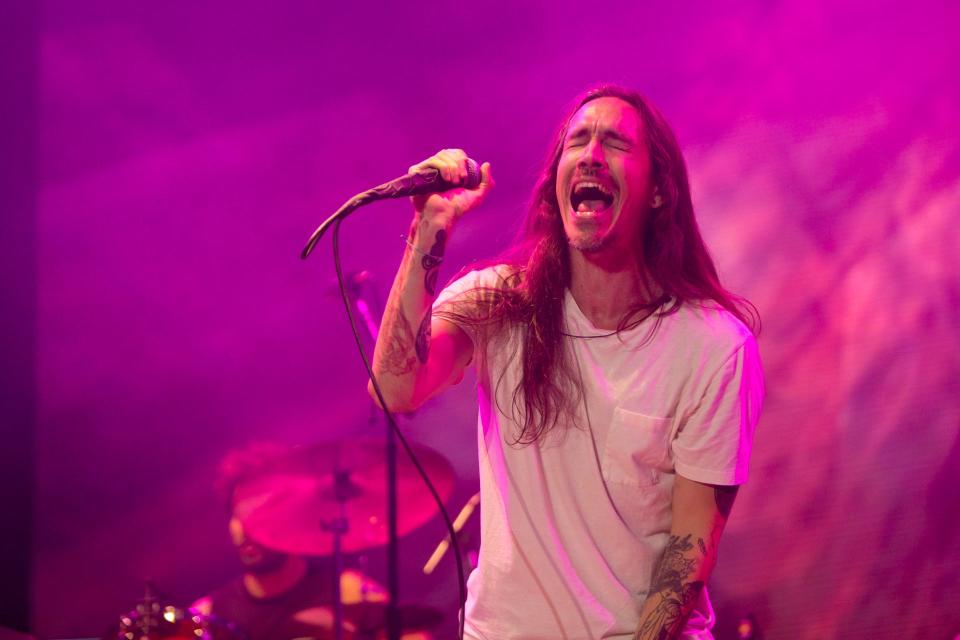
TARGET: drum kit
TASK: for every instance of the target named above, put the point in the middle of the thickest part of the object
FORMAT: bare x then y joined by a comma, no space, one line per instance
319,500
153,619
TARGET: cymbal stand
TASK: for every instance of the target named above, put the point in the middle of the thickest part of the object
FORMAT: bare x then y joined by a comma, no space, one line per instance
338,528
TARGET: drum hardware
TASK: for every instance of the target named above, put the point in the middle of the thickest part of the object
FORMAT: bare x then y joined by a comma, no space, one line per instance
284,505
336,488
323,499
151,619
337,527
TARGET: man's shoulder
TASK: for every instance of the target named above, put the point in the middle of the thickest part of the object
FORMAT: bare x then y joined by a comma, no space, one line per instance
709,326
479,278
488,275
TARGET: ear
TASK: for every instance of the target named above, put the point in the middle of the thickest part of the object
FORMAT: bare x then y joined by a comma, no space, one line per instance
656,201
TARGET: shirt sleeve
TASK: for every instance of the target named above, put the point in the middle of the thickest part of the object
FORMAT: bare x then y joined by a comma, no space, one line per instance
714,441
446,305
457,299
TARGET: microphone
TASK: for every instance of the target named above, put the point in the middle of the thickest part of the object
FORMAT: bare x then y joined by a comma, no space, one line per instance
428,180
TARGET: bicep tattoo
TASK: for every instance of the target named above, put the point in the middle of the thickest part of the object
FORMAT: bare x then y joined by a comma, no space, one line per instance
423,337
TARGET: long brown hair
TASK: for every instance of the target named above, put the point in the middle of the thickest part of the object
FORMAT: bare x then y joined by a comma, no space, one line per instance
530,298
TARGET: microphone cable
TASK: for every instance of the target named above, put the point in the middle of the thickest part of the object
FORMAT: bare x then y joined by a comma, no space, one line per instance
461,582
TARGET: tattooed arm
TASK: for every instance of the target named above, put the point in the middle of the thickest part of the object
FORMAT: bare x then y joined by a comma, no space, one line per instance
700,512
417,355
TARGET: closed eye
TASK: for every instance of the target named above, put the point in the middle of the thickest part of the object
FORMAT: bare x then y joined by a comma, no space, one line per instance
609,141
617,142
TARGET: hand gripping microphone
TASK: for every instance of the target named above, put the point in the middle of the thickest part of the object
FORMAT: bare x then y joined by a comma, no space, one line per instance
427,180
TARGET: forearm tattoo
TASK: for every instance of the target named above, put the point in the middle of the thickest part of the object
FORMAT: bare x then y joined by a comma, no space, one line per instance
423,338
675,594
431,262
403,349
398,356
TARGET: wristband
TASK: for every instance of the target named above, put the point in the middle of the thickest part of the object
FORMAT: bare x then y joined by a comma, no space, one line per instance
435,259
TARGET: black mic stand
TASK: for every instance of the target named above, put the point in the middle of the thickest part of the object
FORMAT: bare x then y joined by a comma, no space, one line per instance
363,306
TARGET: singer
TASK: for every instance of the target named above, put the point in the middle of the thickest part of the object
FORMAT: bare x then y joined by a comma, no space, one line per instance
619,383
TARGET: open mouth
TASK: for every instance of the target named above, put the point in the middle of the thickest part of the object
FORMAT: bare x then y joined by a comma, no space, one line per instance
589,198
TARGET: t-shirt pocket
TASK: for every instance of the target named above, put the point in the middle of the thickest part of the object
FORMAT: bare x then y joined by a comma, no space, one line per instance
636,452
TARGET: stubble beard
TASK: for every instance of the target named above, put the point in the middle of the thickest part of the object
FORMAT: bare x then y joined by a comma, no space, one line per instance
591,243
591,237
268,562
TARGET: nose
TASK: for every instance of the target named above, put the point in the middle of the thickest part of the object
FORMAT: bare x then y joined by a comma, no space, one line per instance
592,155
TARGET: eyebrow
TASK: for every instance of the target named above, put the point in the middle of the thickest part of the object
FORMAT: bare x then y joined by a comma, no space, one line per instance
606,133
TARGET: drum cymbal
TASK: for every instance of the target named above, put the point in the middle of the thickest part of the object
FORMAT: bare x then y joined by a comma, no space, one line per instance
291,503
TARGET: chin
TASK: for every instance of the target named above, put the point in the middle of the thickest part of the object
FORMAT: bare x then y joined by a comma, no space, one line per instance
587,244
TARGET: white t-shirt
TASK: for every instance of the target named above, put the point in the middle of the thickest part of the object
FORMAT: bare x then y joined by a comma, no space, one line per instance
572,528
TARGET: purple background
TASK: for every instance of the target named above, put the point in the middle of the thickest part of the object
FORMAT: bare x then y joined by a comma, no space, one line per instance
188,149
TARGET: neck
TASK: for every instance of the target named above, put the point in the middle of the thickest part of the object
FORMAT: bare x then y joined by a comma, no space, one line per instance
607,286
277,582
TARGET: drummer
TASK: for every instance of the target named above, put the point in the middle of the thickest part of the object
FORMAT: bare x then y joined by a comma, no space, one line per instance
281,595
